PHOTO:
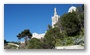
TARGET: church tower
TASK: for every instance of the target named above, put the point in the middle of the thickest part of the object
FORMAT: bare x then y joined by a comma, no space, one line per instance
54,18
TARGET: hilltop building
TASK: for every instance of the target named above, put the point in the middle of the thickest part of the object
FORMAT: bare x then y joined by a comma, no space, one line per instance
71,9
54,21
55,18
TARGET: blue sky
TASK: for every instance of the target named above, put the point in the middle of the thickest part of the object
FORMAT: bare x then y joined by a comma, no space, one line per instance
35,17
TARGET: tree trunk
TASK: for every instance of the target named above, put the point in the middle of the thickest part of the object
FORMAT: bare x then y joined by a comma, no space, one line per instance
25,40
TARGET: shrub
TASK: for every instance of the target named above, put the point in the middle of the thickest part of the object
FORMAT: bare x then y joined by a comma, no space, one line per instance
35,43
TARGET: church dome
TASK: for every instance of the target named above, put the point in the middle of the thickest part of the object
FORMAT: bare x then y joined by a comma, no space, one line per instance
72,8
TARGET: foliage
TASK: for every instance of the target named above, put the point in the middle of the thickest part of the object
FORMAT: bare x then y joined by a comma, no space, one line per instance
79,40
35,43
76,40
24,35
51,36
5,41
15,42
69,41
9,46
71,24
58,42
83,7
79,9
81,16
49,26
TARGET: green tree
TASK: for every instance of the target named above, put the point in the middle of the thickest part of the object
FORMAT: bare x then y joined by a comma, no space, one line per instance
49,26
83,7
5,41
71,24
81,16
51,36
25,34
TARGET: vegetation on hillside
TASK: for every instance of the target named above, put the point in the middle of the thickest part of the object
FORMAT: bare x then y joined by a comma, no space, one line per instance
69,30
25,34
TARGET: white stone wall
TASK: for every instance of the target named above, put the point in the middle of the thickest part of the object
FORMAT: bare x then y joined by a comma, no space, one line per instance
38,36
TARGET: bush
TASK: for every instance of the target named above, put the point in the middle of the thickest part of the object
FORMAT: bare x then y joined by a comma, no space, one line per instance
58,42
79,41
35,43
71,24
51,36
10,47
69,41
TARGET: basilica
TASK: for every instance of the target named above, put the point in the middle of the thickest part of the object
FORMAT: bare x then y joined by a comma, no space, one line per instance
54,21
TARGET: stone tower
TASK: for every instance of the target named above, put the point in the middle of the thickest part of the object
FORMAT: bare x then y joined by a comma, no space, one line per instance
54,18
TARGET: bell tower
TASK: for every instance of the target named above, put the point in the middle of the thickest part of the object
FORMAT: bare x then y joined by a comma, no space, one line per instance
54,18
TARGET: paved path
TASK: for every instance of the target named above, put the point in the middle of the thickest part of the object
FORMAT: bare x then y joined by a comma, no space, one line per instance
14,44
70,47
